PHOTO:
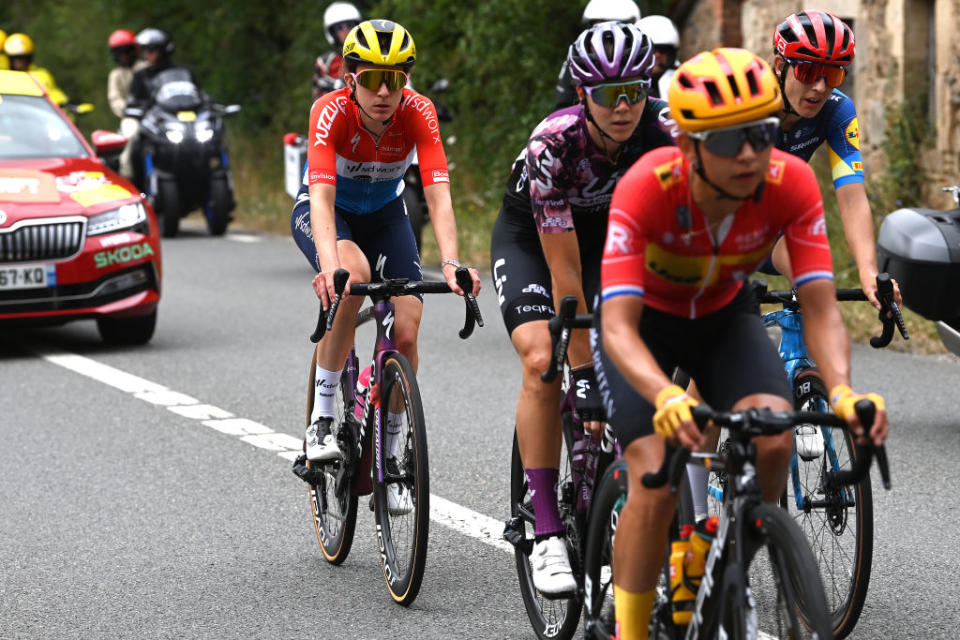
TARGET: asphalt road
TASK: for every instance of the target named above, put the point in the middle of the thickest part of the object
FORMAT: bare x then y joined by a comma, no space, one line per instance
153,497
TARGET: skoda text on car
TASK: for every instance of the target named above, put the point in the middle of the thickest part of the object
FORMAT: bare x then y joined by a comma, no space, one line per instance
76,240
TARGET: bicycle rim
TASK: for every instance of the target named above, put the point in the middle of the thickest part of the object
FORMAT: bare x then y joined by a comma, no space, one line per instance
551,619
334,508
608,500
838,525
403,520
783,584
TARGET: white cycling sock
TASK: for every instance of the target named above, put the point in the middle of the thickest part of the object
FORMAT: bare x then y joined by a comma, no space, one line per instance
393,430
325,389
699,476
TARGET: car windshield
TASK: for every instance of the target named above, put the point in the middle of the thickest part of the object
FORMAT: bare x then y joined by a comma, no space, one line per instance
30,127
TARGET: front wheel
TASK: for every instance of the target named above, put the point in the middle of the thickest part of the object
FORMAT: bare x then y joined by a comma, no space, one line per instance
783,596
402,498
838,524
608,500
218,206
168,207
128,330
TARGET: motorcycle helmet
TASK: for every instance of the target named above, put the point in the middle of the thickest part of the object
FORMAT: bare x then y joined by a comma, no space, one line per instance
380,42
661,31
608,52
19,46
606,10
339,14
122,42
815,36
155,38
723,88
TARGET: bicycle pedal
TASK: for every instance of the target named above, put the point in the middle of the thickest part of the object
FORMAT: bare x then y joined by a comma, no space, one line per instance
307,474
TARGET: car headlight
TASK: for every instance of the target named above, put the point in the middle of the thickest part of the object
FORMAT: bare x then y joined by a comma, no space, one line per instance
126,217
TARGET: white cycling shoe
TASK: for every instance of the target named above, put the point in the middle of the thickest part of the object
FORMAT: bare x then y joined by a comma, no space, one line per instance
399,499
809,441
321,444
552,575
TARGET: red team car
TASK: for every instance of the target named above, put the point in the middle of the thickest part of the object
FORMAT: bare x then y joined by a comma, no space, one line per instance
76,240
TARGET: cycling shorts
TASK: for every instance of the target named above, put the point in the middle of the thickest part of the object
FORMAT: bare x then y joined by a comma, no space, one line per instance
385,237
727,353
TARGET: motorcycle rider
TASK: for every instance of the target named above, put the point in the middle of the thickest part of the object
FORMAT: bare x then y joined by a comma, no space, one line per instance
157,47
338,20
19,50
666,42
123,50
595,12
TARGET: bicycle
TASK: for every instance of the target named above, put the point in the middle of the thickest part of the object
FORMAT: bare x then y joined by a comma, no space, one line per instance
739,595
837,523
583,458
398,463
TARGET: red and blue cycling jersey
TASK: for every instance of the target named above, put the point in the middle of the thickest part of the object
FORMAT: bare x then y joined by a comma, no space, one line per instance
368,172
660,247
837,124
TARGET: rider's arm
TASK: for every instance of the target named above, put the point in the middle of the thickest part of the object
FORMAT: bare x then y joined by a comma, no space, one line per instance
323,137
858,230
563,259
440,206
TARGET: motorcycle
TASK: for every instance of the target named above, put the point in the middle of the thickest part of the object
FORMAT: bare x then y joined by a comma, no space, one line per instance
182,162
920,248
295,158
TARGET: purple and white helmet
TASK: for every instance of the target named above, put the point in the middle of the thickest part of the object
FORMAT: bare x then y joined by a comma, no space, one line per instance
608,52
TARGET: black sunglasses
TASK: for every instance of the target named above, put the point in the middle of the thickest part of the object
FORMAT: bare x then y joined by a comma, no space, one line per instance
728,142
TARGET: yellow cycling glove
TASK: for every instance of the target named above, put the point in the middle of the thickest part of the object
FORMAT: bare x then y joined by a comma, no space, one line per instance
673,407
843,398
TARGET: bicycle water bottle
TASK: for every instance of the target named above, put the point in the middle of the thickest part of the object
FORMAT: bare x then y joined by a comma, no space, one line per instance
700,542
363,381
681,596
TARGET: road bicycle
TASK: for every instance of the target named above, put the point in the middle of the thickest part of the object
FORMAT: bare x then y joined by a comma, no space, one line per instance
583,458
760,577
388,459
838,522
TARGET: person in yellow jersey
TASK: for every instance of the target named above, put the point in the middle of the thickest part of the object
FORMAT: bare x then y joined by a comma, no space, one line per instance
18,48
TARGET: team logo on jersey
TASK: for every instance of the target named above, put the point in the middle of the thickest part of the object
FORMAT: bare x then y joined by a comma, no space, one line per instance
775,171
858,166
619,240
669,173
852,134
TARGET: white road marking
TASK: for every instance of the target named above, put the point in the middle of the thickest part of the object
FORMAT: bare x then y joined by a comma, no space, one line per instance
243,237
470,523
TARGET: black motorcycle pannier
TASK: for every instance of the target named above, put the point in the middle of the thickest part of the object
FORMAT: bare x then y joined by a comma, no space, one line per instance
920,248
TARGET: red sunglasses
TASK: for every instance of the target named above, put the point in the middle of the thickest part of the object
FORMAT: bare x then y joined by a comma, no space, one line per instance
810,72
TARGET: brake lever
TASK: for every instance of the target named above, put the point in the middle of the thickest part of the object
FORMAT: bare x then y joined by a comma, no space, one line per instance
473,316
340,277
890,313
558,350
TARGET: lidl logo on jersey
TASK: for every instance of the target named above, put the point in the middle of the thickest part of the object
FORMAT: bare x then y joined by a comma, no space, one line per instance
853,134
775,171
858,166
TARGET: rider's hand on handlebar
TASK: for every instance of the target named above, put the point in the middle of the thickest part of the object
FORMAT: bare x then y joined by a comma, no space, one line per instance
587,400
868,282
843,398
449,269
673,419
323,286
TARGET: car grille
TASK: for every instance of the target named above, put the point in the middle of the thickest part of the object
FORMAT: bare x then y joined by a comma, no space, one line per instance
42,240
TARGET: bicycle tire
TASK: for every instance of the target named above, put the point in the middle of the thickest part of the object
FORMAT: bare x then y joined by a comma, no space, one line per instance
779,561
840,532
402,535
332,503
551,619
608,499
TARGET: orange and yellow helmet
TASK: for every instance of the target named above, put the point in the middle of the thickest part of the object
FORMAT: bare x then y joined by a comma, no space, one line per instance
18,44
380,42
723,88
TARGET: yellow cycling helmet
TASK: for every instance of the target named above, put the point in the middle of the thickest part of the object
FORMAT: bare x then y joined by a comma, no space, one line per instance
380,42
722,88
18,44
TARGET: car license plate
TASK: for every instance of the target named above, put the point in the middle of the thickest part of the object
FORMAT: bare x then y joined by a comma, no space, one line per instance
34,276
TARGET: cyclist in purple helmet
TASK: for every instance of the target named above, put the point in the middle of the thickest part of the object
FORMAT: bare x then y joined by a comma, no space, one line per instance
548,241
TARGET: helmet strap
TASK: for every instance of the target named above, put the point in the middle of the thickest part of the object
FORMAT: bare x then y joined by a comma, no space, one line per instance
386,123
723,193
782,79
604,136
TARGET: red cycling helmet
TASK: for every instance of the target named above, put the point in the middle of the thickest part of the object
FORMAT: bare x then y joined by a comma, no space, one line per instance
815,36
122,38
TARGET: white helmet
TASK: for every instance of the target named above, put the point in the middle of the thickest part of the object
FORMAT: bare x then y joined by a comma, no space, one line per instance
603,10
661,31
336,13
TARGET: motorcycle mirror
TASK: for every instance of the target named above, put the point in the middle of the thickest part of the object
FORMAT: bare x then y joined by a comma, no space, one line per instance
231,109
106,142
440,85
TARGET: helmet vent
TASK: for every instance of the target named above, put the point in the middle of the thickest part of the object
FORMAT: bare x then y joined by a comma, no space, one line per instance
684,81
715,97
752,82
734,87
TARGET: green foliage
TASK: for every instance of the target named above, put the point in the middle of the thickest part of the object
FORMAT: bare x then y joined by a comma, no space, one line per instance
907,136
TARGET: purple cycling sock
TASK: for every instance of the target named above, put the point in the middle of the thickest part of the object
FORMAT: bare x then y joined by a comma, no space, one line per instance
543,492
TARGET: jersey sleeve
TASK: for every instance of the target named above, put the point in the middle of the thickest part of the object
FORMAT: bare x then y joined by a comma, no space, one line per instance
549,201
843,144
621,273
425,130
805,227
327,118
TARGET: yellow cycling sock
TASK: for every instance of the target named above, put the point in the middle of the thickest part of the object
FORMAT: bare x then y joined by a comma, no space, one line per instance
633,613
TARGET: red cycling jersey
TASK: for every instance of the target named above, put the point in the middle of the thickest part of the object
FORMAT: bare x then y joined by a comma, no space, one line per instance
660,248
368,172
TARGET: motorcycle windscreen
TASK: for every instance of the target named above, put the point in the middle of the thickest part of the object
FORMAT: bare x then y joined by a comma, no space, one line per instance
177,91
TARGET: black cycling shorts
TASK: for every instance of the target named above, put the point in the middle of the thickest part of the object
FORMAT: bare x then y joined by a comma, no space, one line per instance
727,353
385,237
520,273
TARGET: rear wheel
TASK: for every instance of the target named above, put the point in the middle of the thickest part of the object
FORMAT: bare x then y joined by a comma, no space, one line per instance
551,619
608,500
218,208
168,207
838,524
333,505
128,330
402,500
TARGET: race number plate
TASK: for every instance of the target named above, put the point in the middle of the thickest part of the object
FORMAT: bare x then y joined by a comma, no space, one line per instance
35,276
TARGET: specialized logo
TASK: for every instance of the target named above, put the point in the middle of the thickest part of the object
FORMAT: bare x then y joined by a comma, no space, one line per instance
388,325
122,255
852,134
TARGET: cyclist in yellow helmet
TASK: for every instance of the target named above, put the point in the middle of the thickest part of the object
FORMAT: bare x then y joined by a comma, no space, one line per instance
350,210
18,48
687,226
